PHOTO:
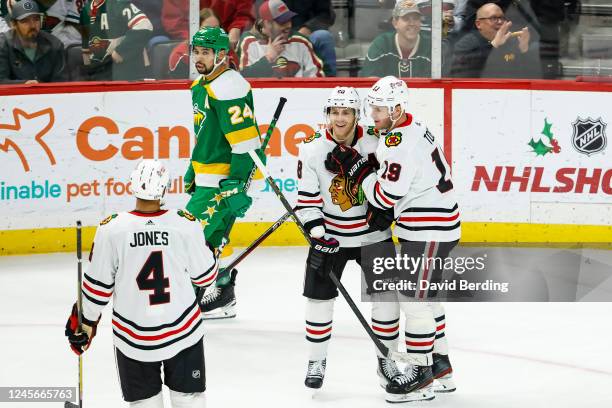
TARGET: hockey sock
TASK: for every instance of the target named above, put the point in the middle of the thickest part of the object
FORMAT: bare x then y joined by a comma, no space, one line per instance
319,314
183,400
420,330
156,401
224,277
440,343
385,322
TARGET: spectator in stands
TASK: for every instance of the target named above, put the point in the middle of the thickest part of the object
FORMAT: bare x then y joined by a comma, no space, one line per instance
153,10
492,50
236,17
4,27
405,52
61,18
313,19
178,63
271,50
448,7
27,54
118,35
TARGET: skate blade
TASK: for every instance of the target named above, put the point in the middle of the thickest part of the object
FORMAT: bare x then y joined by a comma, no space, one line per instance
444,385
225,312
312,393
415,396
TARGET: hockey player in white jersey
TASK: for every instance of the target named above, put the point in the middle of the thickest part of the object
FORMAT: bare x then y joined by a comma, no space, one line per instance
147,260
414,188
334,212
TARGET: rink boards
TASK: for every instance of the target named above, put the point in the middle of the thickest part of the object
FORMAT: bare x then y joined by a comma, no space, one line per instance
530,160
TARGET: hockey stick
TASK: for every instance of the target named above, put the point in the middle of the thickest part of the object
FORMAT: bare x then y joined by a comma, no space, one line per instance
79,246
385,351
258,241
247,184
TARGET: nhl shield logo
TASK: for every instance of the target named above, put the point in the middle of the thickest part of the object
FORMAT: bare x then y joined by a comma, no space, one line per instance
589,136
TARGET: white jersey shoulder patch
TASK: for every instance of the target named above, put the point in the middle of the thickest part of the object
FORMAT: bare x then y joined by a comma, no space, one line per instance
230,85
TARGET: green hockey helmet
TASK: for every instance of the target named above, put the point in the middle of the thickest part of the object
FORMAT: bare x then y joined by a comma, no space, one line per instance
211,37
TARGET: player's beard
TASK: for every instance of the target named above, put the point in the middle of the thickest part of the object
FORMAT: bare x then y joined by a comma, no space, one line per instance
203,70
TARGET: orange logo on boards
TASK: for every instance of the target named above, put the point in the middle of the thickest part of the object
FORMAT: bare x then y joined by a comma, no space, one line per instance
15,141
101,138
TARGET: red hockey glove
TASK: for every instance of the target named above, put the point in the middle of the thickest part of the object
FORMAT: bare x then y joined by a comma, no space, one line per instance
80,341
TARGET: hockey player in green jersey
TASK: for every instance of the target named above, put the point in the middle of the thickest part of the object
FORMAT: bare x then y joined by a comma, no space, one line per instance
226,130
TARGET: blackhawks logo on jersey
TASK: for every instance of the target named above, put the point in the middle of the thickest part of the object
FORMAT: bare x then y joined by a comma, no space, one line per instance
186,214
312,137
345,193
393,139
108,219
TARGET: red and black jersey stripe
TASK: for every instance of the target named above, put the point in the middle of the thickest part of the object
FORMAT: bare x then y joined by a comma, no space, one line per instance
346,226
307,199
95,291
152,337
383,198
429,218
208,277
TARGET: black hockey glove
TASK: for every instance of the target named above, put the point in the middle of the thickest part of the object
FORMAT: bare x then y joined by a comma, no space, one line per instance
80,341
379,219
348,162
321,255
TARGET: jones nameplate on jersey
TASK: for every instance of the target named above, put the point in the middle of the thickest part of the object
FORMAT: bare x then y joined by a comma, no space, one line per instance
149,238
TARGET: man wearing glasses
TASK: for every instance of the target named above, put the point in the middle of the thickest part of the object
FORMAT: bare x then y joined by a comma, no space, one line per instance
493,50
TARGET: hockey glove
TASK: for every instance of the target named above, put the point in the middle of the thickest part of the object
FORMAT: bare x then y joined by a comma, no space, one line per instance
348,162
321,255
316,227
189,181
80,340
235,197
379,219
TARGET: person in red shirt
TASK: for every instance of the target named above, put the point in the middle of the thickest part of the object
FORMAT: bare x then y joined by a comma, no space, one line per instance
236,16
178,62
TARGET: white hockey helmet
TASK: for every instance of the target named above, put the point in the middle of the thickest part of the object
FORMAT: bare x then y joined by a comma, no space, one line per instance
150,180
343,97
390,92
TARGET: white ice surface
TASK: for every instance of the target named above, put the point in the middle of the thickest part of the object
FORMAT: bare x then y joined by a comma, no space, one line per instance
504,354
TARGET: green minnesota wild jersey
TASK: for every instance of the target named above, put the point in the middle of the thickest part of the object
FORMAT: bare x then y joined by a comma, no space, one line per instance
117,25
225,128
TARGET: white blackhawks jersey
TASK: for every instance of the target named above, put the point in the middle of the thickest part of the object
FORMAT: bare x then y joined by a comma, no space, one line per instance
414,179
147,263
322,194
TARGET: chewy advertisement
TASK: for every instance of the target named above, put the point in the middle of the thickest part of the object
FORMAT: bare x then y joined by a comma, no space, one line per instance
533,156
64,161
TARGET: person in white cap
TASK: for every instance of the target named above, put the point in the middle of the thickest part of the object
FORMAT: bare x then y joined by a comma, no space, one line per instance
270,49
405,52
27,54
